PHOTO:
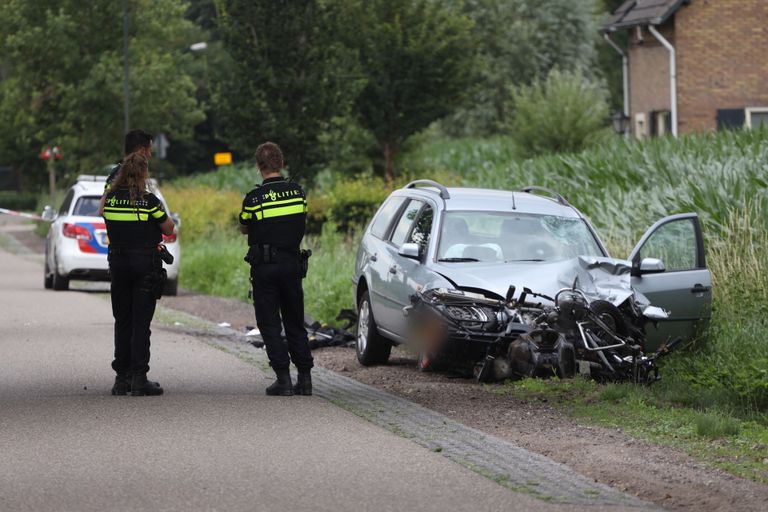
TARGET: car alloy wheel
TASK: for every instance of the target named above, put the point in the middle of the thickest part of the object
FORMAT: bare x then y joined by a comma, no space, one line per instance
362,326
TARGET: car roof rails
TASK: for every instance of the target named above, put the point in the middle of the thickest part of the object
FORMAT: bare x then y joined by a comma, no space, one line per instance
91,177
444,194
554,195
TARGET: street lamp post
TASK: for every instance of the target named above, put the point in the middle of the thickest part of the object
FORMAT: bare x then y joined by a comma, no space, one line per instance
126,72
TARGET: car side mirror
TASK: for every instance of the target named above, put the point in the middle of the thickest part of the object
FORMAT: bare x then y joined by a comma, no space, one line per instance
176,219
49,214
410,250
648,266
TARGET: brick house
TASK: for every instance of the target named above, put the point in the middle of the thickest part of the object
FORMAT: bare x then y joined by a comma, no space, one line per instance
693,65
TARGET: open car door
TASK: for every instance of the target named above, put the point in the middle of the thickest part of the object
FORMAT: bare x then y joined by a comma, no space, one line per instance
682,285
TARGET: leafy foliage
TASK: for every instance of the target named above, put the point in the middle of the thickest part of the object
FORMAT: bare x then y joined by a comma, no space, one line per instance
289,76
561,114
517,42
415,55
63,78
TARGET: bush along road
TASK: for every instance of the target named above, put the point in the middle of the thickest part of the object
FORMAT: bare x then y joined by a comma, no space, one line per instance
621,436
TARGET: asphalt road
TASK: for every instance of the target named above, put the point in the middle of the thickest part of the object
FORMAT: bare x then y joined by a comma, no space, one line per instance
212,442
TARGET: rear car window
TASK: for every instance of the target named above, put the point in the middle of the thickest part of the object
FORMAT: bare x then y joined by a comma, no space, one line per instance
87,206
406,221
384,218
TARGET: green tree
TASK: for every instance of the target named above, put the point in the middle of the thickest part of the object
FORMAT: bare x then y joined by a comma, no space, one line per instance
518,42
563,113
289,76
415,55
63,83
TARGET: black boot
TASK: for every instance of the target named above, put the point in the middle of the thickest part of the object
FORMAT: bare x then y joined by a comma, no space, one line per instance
283,385
303,384
122,385
140,386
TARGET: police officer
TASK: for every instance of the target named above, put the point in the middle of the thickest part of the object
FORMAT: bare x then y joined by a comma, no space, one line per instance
274,217
135,221
135,140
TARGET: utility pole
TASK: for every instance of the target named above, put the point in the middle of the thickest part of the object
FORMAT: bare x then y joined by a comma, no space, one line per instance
126,73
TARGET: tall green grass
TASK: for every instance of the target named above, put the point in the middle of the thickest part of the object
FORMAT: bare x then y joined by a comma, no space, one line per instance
624,185
215,266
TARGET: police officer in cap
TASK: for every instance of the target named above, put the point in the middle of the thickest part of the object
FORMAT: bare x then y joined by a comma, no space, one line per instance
274,217
135,221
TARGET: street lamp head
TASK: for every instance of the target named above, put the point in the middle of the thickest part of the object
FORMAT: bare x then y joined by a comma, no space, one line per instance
198,47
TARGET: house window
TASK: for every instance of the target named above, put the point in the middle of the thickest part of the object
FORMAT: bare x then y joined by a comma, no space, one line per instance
755,117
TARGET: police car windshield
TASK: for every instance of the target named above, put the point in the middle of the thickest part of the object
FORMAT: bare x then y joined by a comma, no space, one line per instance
508,237
87,206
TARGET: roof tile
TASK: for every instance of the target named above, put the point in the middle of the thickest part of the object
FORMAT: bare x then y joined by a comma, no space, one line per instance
640,12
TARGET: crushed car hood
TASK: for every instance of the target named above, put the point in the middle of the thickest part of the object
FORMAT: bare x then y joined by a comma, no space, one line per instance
598,277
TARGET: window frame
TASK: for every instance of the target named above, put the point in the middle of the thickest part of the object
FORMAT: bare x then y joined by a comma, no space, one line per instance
748,111
701,258
403,208
598,242
396,215
80,198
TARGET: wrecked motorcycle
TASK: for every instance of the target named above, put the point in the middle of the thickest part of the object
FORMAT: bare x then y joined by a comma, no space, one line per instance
535,335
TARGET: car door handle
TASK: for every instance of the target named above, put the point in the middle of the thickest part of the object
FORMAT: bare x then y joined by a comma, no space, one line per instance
393,269
700,288
373,258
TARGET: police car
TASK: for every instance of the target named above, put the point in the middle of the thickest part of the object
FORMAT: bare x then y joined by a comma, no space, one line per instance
77,242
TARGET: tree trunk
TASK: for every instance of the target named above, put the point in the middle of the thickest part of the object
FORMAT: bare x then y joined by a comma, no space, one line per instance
388,177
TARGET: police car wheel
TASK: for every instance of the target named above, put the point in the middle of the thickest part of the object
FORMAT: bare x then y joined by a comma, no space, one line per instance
60,283
47,275
372,348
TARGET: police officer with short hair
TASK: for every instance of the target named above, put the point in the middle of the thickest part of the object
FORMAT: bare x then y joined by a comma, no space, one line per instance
274,217
135,221
135,141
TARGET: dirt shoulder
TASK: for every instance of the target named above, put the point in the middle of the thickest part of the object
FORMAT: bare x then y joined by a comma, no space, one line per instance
663,475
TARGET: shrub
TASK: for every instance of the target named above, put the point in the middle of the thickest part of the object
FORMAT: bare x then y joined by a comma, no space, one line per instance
204,211
715,426
562,114
12,200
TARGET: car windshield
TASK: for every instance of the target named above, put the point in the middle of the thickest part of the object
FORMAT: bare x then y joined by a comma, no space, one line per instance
505,237
87,206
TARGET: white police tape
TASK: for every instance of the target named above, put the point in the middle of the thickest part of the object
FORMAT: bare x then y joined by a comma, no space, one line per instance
20,214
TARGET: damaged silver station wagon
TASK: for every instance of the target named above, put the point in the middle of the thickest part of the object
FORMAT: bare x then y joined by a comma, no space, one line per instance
514,284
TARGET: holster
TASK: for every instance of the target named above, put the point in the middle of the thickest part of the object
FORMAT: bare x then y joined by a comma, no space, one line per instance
305,254
154,282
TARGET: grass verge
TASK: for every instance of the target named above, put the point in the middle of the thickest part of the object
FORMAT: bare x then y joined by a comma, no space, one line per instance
736,445
215,266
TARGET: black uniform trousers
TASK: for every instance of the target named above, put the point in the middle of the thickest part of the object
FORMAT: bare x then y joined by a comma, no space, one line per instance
277,293
133,306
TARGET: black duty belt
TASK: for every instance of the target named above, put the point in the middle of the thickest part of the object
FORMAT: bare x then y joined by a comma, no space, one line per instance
258,254
132,249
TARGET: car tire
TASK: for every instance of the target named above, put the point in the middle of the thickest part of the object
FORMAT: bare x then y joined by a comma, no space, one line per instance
59,282
171,287
47,275
372,348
